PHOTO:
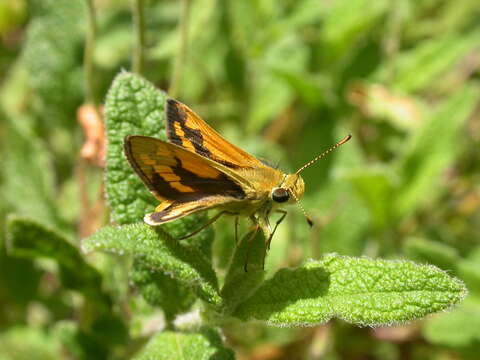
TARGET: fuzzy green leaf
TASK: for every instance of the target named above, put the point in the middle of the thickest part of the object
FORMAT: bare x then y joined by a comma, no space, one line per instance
29,239
133,107
161,290
159,252
171,345
184,226
432,149
361,291
239,285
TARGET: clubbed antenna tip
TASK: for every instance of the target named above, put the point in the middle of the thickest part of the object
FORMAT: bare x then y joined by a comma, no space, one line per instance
310,221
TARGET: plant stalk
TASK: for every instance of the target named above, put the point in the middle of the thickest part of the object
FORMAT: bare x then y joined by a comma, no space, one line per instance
180,59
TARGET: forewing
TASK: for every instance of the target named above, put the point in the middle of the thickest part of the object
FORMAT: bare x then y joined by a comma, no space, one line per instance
187,129
177,175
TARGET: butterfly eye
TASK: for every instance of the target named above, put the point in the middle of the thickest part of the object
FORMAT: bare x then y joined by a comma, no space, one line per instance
280,195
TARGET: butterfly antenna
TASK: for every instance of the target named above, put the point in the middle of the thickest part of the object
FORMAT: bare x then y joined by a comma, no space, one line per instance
325,153
297,200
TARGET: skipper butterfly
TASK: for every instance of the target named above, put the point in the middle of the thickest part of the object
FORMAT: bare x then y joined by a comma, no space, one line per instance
199,170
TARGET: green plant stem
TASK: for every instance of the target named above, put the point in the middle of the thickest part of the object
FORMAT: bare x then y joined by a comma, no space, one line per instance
182,49
88,54
139,29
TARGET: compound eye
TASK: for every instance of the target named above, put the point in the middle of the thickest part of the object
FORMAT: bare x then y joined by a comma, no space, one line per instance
280,195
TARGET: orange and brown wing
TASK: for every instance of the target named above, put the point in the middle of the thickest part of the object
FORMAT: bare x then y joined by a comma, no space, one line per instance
187,129
184,181
169,211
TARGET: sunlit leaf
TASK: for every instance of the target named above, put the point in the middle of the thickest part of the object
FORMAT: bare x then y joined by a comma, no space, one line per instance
159,252
361,291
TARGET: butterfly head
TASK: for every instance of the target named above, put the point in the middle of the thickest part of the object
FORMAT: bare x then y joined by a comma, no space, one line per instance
292,187
290,190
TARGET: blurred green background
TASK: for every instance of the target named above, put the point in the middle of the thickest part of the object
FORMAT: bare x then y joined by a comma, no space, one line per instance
285,80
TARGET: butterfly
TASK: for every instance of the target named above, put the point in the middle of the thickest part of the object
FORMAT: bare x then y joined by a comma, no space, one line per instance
198,170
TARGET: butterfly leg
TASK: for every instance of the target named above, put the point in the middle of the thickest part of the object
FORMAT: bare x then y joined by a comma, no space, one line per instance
249,245
209,222
284,213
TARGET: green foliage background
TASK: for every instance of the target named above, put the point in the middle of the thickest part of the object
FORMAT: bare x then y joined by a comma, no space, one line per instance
284,80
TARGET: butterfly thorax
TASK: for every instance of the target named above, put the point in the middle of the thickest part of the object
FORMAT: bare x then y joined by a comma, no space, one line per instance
268,188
